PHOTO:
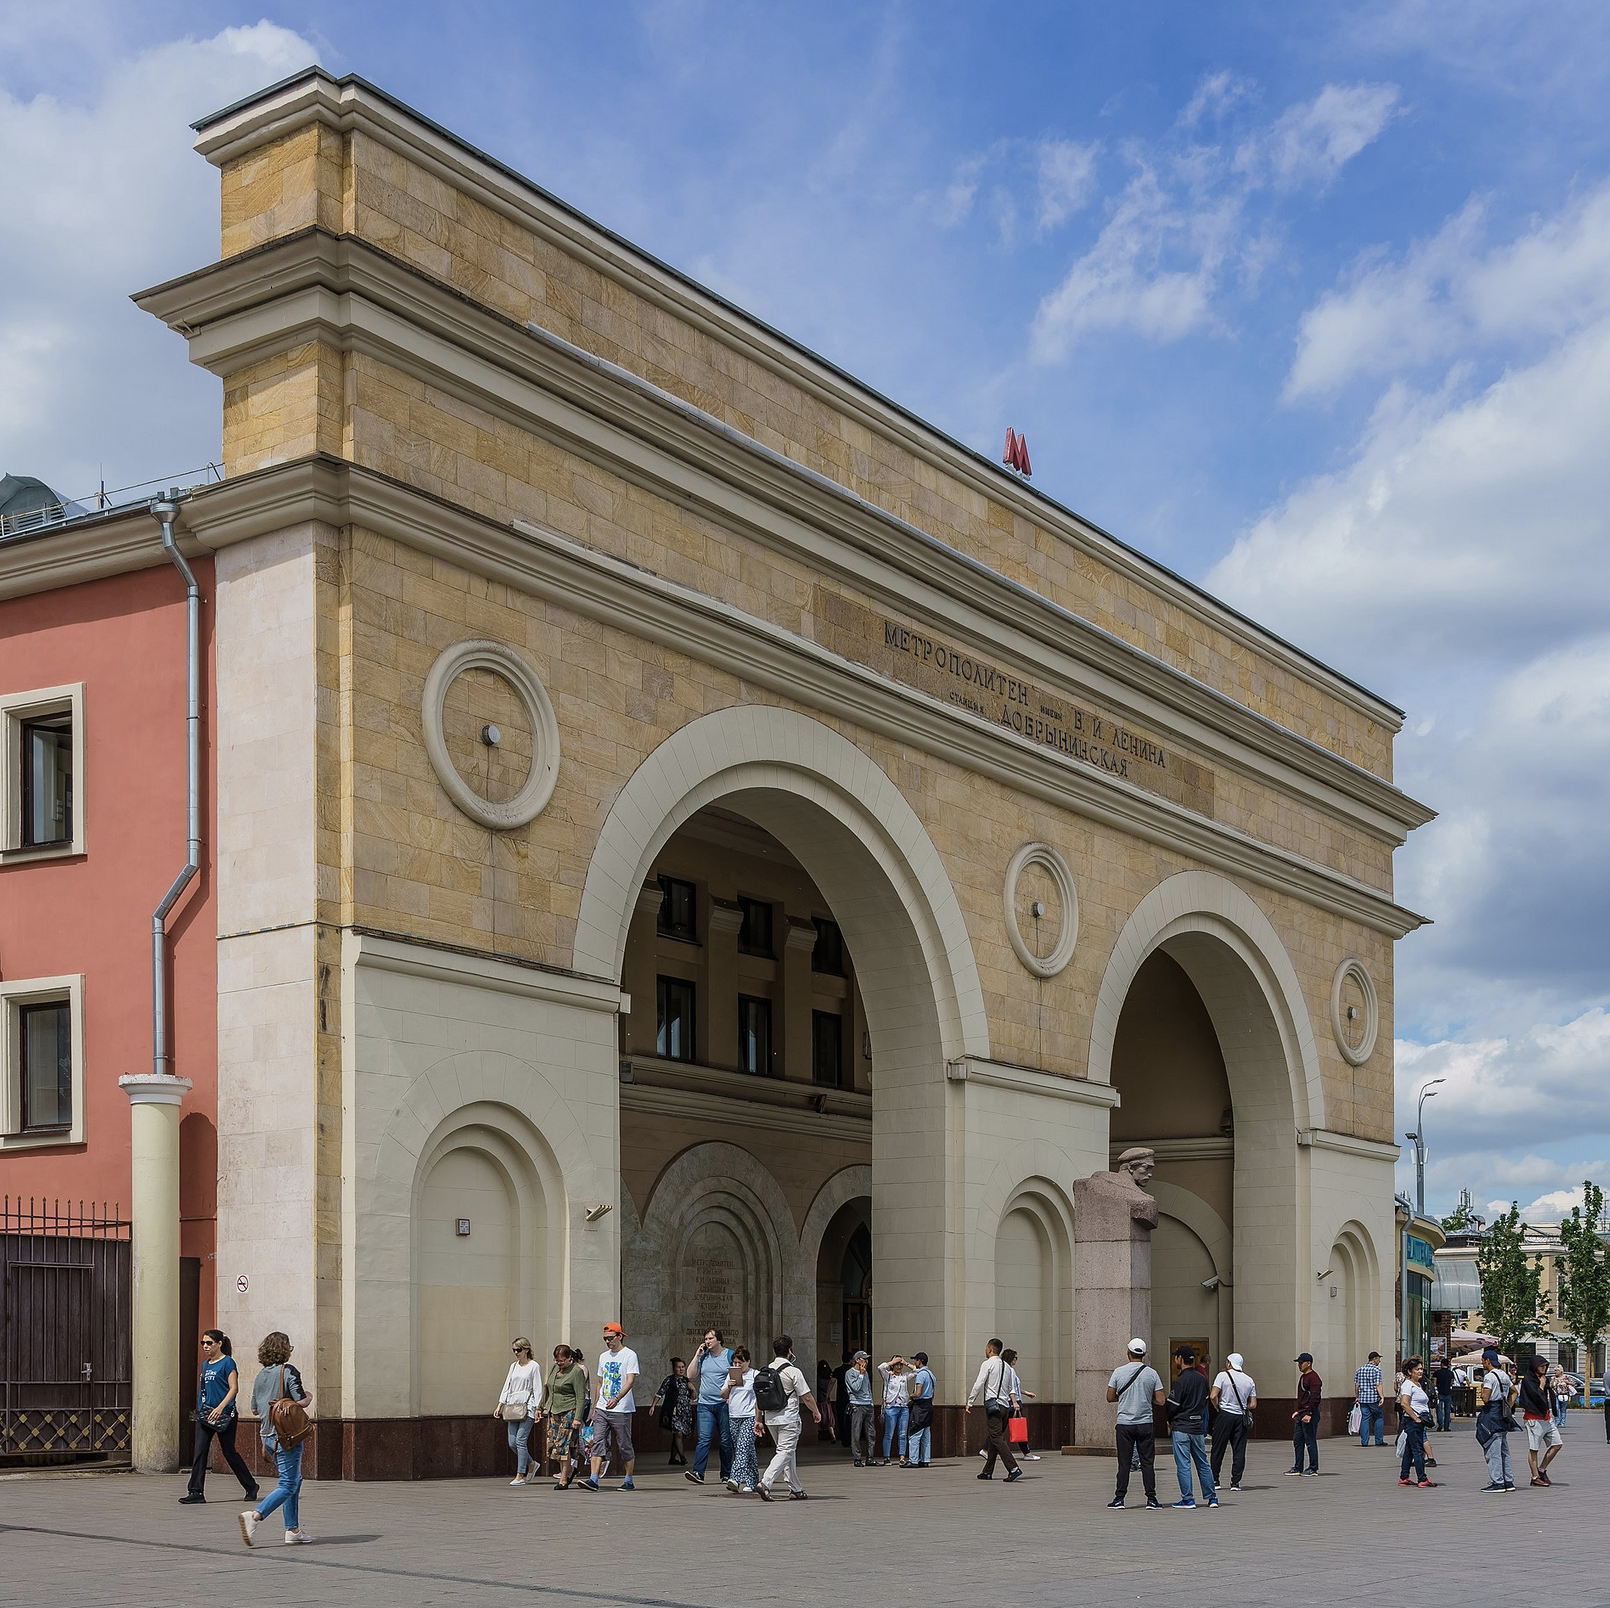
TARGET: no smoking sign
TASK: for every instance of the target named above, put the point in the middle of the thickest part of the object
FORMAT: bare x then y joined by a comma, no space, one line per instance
243,1283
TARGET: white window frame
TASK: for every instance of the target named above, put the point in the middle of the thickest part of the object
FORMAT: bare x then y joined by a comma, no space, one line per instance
15,708
38,991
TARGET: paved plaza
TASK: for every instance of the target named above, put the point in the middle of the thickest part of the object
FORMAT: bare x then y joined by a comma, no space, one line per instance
866,1537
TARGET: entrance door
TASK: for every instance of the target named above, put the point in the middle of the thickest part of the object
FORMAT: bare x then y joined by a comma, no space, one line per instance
858,1327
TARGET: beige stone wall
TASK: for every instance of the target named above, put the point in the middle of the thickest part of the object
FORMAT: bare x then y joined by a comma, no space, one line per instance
415,864
356,183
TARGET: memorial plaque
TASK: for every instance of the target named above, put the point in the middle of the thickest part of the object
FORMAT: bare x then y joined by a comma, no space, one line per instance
1007,697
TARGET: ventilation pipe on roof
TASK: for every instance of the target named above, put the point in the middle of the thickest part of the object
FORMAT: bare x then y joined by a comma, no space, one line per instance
165,510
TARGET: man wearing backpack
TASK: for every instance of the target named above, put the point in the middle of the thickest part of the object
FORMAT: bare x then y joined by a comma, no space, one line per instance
780,1389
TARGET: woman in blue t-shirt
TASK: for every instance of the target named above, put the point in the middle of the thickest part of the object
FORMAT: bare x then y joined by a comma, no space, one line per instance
217,1413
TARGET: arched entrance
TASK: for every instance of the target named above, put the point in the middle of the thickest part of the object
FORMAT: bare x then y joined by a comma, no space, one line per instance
1200,1023
840,818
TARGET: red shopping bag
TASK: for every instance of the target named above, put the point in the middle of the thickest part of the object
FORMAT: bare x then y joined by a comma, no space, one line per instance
1017,1431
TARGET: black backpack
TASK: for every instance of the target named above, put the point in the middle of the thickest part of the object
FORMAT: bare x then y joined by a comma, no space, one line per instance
771,1394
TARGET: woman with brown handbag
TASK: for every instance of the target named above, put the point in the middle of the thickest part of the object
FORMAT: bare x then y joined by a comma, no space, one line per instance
279,1387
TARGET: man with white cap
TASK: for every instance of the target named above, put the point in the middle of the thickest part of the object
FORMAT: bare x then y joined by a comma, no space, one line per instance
1137,1388
1233,1396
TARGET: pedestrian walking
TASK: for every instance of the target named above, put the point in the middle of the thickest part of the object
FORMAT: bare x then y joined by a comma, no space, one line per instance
826,1430
1233,1395
994,1387
1367,1393
674,1403
284,1408
1305,1421
781,1390
1414,1414
613,1408
1538,1415
217,1414
1183,1409
896,1407
1494,1422
858,1383
1560,1384
564,1407
1444,1377
1019,1396
738,1391
708,1372
1137,1388
517,1407
920,1436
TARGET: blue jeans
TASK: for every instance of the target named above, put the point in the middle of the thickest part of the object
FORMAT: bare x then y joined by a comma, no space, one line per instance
1371,1412
1414,1450
1305,1437
520,1444
715,1423
1445,1412
1189,1449
919,1446
287,1493
1560,1404
894,1425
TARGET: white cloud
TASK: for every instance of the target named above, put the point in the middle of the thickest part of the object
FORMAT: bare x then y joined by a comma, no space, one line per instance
1448,296
1311,143
1195,222
1067,173
105,196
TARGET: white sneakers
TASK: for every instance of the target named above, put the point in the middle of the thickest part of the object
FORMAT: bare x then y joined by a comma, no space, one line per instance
519,1479
248,1530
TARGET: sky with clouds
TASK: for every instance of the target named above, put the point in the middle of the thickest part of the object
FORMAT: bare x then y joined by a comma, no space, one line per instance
1311,303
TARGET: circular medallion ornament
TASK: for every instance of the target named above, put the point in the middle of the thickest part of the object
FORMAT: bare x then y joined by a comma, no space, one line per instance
1355,1012
505,685
1043,924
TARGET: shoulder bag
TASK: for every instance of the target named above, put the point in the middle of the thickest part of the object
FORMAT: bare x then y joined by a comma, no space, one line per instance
289,1418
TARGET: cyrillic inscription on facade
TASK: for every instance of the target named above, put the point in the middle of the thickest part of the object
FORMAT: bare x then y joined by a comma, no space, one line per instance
917,658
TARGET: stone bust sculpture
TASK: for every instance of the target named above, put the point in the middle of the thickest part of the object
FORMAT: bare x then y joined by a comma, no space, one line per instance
1115,1205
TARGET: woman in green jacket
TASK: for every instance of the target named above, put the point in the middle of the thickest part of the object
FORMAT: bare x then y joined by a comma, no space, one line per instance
564,1399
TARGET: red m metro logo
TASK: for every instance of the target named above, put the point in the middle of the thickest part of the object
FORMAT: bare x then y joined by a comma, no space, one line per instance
1016,455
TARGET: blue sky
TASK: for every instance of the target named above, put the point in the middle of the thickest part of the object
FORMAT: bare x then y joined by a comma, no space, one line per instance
1311,303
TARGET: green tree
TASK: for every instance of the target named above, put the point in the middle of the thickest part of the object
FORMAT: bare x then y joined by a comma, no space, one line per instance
1584,1272
1458,1220
1512,1299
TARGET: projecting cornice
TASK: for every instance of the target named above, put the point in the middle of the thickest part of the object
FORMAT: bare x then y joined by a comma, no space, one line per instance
340,290
350,103
544,564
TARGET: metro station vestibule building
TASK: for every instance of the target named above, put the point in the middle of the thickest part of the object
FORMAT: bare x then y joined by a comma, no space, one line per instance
693,843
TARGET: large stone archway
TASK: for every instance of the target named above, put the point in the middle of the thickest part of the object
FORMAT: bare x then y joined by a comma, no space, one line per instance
1240,969
834,809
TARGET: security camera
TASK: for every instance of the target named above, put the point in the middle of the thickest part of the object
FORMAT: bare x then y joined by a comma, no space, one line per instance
1212,1283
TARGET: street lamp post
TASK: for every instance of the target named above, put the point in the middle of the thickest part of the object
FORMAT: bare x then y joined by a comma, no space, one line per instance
1427,1092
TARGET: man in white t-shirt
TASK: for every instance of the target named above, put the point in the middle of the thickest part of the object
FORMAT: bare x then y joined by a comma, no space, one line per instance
614,1406
1137,1388
1233,1396
784,1421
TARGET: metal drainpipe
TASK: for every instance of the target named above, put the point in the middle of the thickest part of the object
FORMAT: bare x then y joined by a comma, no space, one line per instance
165,510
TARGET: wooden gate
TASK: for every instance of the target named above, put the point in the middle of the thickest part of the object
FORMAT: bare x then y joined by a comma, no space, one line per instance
65,1378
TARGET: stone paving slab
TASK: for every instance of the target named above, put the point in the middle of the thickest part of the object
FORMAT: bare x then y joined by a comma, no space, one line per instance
878,1536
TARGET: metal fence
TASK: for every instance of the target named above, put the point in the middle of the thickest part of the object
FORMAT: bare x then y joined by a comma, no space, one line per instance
65,1375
